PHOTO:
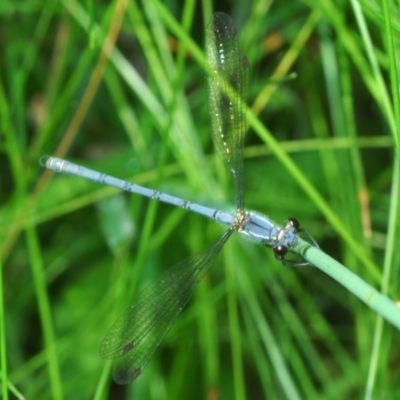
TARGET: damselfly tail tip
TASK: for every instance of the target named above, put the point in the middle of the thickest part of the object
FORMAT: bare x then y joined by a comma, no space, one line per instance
44,160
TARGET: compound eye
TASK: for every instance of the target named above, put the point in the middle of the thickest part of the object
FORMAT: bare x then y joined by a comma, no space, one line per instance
280,250
294,223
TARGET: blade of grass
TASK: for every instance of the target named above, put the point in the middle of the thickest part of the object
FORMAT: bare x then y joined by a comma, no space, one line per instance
393,231
365,292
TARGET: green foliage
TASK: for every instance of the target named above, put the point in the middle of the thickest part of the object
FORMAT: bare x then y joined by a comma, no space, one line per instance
322,147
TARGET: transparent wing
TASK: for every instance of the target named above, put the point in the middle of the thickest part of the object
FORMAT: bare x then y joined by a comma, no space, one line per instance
227,80
136,334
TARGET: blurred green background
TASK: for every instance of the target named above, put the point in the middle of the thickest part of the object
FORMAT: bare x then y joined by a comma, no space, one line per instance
119,87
